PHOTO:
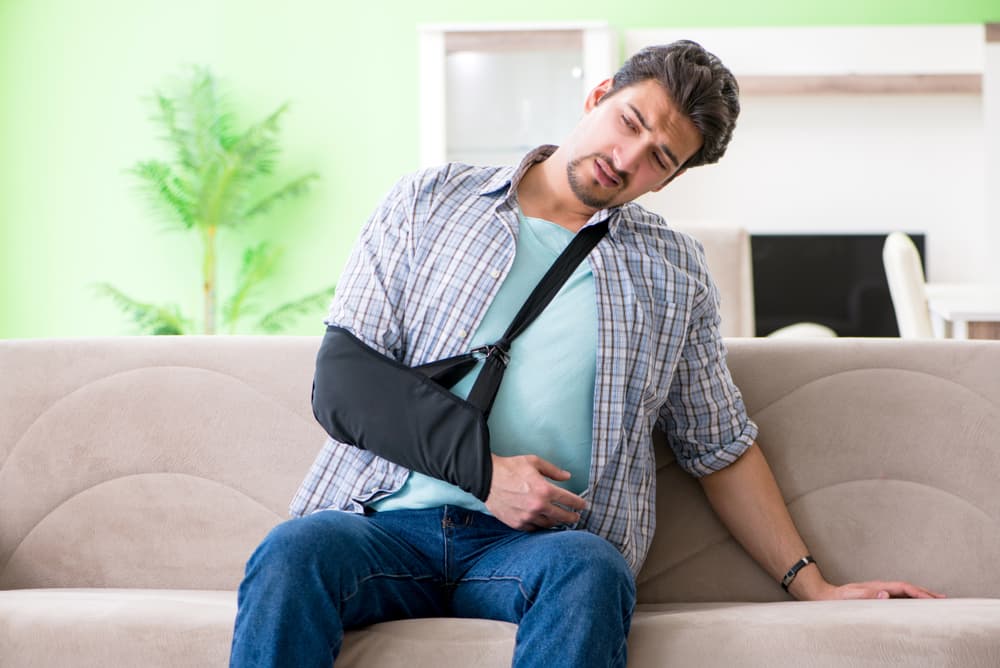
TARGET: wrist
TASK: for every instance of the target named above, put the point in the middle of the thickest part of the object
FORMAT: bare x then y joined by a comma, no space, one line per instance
810,585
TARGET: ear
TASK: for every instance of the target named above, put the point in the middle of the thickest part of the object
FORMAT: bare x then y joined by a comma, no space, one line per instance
669,179
595,95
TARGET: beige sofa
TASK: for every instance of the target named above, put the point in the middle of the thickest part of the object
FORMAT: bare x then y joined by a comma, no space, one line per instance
137,474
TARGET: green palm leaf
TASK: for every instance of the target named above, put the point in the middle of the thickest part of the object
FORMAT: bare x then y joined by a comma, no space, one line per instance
291,189
276,321
251,155
177,136
168,192
258,264
209,117
150,318
256,150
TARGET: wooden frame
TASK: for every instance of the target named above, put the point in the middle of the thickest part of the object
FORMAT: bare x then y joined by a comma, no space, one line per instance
858,84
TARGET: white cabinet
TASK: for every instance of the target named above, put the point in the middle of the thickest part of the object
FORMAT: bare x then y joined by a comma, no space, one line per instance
490,93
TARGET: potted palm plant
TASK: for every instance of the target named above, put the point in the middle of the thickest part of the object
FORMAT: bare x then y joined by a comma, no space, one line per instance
213,182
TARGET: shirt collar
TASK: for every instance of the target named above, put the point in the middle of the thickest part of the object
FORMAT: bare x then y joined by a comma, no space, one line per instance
508,178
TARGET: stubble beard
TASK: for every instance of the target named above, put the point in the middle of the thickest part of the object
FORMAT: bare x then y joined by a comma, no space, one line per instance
580,189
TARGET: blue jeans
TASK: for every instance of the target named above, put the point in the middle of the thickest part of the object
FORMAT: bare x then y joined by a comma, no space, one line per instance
570,592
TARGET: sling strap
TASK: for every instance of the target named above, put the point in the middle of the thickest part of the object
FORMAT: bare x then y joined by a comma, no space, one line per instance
484,390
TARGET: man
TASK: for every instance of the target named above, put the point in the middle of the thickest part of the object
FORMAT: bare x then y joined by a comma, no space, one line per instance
630,342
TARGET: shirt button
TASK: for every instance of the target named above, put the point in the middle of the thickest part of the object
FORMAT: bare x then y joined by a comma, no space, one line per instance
462,333
495,274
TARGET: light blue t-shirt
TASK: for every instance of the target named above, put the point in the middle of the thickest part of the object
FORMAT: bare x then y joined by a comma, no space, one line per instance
545,405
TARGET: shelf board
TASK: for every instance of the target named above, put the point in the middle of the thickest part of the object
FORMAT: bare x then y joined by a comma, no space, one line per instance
862,84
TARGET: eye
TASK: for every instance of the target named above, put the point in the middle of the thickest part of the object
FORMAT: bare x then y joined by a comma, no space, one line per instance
628,123
659,161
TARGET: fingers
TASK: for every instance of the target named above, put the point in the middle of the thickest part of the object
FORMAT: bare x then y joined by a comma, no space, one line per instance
545,521
562,516
548,469
908,590
523,496
884,590
560,507
558,494
542,516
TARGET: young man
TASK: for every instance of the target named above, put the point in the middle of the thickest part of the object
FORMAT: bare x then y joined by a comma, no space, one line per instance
630,342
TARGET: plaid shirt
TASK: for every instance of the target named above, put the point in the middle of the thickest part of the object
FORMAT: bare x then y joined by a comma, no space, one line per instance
426,268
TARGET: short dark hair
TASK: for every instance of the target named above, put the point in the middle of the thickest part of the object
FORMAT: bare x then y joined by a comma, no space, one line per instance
698,83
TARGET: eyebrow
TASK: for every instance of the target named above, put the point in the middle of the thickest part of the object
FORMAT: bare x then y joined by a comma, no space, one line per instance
642,121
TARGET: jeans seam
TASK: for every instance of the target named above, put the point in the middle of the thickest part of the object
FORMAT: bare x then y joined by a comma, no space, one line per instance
391,576
619,659
492,578
445,549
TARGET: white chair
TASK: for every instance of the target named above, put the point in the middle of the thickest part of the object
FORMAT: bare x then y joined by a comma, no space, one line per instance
803,330
907,287
727,253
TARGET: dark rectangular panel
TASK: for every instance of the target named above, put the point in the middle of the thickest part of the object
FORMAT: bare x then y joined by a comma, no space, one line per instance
837,280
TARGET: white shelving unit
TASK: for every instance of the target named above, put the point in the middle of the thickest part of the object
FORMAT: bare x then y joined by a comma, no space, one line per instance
491,92
862,129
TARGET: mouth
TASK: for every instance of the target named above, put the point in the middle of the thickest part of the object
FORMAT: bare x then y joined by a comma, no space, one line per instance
605,175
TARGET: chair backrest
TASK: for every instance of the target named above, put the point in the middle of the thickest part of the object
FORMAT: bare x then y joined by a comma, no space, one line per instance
906,287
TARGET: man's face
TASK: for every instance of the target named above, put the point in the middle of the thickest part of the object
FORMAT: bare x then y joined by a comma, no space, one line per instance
629,143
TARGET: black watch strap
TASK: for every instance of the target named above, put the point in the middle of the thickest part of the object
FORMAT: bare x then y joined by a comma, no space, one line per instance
794,570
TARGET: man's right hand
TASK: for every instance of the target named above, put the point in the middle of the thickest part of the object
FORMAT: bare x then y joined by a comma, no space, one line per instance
523,497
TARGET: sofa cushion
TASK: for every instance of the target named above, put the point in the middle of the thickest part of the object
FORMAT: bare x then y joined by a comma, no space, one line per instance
899,632
87,628
147,627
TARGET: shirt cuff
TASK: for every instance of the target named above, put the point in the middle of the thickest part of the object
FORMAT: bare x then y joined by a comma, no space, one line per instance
709,461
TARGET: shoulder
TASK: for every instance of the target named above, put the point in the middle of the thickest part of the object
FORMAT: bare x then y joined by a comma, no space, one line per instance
453,179
650,234
453,198
659,253
435,192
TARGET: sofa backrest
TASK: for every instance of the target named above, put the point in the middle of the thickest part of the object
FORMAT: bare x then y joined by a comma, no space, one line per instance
161,462
887,453
148,461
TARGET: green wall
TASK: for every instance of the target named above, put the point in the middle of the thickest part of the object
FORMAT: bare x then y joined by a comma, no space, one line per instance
74,81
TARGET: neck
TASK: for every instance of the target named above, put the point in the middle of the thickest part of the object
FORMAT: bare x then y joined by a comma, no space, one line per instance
544,192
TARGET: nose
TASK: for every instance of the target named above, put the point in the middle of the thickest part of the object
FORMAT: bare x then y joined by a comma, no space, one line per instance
626,157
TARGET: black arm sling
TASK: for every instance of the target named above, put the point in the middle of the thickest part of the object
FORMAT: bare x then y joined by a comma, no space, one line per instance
408,415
